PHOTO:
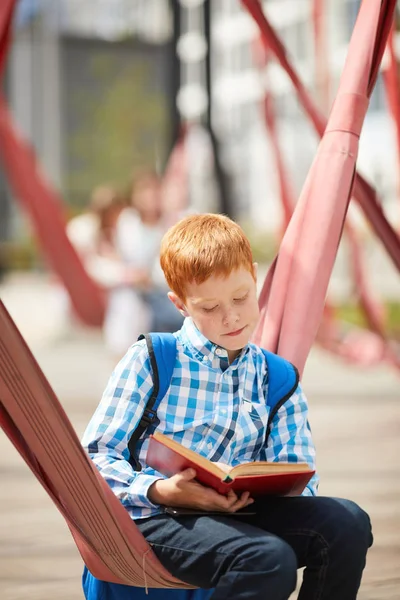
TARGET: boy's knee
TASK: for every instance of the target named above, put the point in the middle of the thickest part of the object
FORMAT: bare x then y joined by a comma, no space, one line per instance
353,525
273,557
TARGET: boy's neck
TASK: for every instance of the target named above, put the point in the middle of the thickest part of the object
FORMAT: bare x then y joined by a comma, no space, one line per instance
233,354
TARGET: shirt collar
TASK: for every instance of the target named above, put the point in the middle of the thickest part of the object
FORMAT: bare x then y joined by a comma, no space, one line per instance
202,348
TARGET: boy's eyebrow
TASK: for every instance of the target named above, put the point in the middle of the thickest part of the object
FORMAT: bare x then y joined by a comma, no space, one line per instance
199,300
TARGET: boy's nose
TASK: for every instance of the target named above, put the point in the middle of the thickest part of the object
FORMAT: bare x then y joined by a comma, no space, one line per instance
230,318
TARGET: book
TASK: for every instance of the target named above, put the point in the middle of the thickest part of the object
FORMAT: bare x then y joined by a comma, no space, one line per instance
168,457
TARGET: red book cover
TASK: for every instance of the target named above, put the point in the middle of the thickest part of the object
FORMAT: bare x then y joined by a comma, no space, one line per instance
169,457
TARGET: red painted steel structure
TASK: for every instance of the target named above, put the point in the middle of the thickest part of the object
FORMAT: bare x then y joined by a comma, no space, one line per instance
391,78
294,292
42,203
364,194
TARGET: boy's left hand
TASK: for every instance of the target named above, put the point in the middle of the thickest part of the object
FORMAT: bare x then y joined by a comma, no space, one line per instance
182,490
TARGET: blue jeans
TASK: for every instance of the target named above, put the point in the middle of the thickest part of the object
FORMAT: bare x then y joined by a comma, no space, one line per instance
256,557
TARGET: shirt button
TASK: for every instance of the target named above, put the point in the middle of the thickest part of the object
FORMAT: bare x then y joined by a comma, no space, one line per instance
210,445
205,359
219,352
223,411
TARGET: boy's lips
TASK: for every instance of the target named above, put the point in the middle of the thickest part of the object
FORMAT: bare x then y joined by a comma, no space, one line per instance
237,332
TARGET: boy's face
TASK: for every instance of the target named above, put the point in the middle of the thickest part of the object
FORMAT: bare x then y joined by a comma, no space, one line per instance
224,309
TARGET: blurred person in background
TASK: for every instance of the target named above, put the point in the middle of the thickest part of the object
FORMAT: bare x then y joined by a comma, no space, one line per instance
136,309
92,234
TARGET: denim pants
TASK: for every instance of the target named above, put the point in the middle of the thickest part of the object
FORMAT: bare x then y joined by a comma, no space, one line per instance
256,557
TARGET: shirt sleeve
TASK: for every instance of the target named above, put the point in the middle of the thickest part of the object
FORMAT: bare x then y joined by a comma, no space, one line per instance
290,438
117,416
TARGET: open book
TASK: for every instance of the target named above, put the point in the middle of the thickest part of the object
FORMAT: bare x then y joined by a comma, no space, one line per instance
259,478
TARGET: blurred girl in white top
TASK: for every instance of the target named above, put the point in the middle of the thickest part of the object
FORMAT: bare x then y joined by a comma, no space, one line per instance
144,306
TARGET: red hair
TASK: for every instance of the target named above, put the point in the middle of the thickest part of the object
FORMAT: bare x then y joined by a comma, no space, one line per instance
199,246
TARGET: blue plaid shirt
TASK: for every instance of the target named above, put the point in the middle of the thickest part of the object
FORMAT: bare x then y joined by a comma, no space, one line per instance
209,402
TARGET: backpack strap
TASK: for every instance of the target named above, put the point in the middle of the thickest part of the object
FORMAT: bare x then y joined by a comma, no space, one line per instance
283,379
162,354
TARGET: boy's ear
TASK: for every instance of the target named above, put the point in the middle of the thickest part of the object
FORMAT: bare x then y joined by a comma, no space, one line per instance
177,302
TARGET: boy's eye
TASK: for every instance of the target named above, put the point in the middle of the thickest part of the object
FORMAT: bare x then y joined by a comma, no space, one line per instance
208,310
242,299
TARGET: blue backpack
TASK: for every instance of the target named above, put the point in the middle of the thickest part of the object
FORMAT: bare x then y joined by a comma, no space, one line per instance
283,379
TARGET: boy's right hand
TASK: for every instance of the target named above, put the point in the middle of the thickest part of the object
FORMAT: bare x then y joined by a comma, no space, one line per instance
183,491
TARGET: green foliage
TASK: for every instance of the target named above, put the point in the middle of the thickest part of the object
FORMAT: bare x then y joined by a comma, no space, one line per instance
352,314
20,255
263,243
121,125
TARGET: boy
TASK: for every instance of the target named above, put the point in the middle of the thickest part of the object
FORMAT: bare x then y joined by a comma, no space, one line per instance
216,406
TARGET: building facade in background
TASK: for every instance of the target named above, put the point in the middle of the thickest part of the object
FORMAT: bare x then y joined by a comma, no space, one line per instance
238,91
89,85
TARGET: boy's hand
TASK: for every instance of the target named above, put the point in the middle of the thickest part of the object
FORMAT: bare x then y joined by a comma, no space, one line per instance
182,491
